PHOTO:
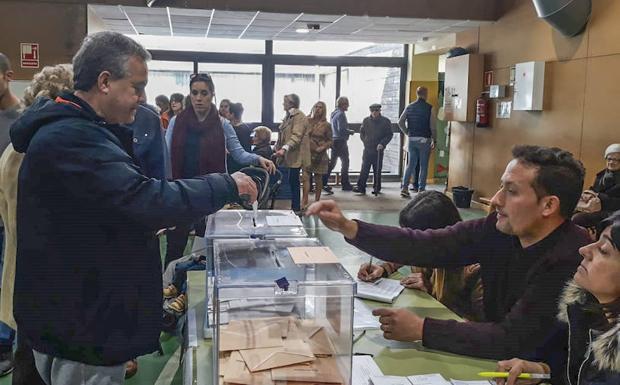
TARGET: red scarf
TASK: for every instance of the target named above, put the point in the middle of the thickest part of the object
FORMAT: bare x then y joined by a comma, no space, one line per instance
212,154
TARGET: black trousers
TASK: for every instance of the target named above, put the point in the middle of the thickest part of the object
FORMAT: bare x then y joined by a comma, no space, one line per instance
370,158
25,372
340,149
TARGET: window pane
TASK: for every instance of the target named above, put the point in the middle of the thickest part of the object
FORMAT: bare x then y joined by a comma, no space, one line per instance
310,83
166,78
390,157
240,83
367,85
337,48
200,44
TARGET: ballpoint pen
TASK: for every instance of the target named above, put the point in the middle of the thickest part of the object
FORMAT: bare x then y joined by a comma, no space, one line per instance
524,376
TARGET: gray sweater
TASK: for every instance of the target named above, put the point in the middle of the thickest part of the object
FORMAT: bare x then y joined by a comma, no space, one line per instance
7,117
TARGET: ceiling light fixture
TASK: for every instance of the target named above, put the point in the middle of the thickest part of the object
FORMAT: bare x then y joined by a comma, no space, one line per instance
302,30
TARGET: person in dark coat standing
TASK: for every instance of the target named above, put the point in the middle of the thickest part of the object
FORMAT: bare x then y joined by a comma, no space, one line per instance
376,133
88,284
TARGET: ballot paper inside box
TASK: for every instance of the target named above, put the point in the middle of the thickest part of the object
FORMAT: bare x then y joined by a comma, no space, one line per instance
296,331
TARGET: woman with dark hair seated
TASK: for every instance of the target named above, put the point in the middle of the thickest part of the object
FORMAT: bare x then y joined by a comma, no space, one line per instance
603,197
459,288
590,309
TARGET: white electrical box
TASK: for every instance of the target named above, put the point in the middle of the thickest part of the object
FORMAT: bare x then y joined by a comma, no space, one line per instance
529,86
497,91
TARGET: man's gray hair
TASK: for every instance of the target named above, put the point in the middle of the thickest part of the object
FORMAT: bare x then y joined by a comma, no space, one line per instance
5,63
341,101
293,99
104,51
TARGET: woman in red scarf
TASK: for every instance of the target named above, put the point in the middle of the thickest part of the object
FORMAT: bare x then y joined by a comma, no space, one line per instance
199,140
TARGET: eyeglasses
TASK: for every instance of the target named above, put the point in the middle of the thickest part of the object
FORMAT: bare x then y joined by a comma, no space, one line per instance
615,160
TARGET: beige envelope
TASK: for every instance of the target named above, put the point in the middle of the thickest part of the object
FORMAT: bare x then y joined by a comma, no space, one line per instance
236,372
316,337
239,335
293,352
321,370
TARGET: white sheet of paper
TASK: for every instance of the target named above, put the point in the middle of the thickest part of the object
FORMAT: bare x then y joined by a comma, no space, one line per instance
283,220
389,380
312,255
383,289
483,382
363,368
428,379
363,318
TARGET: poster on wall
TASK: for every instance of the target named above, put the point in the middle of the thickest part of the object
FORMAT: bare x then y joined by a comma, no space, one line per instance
29,55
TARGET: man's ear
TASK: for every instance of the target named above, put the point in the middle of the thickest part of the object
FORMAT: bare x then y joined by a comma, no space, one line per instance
103,82
551,205
9,75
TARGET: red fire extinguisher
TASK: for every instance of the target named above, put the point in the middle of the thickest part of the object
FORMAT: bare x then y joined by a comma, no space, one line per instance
482,112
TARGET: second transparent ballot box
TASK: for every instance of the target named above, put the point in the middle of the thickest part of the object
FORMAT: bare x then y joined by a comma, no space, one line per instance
276,321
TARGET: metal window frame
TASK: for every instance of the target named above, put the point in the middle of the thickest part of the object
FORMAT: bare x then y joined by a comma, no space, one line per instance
268,60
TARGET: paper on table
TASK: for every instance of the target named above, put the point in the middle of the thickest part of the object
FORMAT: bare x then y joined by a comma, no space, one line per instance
478,382
363,318
283,220
382,290
363,368
388,380
312,255
428,379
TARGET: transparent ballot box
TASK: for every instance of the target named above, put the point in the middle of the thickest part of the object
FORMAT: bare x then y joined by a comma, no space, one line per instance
277,322
235,224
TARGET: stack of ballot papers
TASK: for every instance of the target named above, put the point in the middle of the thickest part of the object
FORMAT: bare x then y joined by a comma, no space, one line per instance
424,379
277,351
382,290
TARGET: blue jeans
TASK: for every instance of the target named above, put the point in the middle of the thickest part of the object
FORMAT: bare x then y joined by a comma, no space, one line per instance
7,335
419,152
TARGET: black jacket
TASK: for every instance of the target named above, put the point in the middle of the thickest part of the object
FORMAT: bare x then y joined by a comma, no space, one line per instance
593,355
375,131
88,277
609,194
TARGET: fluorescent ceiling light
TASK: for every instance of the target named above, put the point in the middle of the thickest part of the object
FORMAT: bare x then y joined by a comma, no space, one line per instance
302,30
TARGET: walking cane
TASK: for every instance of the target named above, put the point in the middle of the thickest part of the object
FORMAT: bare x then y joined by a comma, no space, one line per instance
377,171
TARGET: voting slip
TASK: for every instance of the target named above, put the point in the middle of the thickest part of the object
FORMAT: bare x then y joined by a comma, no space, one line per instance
478,382
363,368
424,379
382,290
283,220
312,255
234,371
363,318
239,335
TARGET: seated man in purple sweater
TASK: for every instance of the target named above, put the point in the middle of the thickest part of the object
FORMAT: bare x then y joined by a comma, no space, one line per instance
527,250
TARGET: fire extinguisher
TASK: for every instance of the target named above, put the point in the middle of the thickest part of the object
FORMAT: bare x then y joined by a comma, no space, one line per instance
482,112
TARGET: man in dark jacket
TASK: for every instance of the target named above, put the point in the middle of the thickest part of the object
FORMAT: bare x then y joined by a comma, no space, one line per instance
340,148
149,146
88,284
376,133
527,250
